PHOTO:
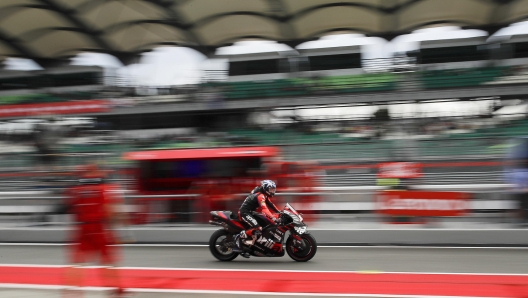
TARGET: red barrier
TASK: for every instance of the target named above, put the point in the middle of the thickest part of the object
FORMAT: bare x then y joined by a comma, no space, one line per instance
67,107
422,203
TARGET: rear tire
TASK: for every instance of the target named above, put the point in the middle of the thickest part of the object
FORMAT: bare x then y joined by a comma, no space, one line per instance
302,255
218,248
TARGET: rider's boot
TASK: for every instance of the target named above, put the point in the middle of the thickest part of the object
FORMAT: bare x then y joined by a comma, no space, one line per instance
239,247
239,242
245,239
251,236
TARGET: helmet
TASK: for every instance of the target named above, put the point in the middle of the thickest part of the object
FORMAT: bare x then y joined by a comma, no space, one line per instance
268,187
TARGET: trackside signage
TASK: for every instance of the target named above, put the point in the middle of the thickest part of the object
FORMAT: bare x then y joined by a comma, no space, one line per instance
422,203
399,170
67,107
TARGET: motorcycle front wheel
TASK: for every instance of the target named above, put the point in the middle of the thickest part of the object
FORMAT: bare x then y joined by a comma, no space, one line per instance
219,248
302,255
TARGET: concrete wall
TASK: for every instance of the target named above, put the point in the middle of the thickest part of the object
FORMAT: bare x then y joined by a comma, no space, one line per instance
200,235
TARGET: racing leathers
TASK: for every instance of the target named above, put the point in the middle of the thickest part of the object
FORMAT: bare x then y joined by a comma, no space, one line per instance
256,203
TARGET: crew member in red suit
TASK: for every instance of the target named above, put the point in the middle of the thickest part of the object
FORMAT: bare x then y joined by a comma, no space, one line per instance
257,202
93,203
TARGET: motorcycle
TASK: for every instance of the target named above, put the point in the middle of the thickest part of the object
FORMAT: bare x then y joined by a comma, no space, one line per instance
300,244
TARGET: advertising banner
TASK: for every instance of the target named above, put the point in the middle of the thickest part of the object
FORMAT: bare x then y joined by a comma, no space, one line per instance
400,170
422,203
66,107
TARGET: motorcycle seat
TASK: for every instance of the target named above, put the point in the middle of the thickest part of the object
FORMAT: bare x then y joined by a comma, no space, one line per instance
232,215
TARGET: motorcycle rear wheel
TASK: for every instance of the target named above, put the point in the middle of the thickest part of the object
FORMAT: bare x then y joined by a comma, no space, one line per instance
302,255
218,248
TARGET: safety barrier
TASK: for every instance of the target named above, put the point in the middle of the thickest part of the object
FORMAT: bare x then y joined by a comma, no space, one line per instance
191,208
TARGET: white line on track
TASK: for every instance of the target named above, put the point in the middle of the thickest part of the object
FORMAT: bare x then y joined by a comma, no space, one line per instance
320,246
244,293
373,272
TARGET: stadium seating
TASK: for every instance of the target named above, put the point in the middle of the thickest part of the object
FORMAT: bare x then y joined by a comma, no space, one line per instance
286,137
334,146
305,86
17,99
453,78
272,88
21,99
517,75
372,82
323,146
377,82
43,98
357,83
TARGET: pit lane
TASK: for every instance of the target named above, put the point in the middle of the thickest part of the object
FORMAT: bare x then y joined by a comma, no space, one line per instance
345,258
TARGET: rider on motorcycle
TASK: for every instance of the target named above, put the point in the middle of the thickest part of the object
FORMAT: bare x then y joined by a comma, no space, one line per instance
257,202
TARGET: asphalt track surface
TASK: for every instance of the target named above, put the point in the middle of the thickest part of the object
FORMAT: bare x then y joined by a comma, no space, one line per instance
386,259
357,262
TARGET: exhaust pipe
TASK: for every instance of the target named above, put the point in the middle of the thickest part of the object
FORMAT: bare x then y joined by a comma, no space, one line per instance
215,223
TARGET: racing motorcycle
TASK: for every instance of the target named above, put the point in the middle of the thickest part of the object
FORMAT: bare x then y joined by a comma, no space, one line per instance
300,245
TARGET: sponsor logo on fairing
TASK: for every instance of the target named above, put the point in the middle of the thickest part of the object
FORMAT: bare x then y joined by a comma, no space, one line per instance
276,236
266,242
251,219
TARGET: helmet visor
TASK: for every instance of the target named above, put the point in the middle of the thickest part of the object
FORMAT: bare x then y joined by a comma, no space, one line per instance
272,191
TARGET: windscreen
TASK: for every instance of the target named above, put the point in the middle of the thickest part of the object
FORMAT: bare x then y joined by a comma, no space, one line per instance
296,216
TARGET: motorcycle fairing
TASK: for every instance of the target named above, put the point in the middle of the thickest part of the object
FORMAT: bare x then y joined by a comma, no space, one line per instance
269,244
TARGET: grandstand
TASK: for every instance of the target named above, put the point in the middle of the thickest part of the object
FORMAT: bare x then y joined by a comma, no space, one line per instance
298,74
325,123
217,111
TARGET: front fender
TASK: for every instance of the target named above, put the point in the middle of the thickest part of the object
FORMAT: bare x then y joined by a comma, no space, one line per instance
297,241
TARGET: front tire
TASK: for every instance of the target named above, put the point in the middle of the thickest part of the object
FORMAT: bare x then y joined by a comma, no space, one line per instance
218,246
302,255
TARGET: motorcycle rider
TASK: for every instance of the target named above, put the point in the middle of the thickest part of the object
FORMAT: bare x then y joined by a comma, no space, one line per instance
257,202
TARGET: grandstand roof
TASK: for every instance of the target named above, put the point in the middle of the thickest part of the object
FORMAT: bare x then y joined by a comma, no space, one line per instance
50,30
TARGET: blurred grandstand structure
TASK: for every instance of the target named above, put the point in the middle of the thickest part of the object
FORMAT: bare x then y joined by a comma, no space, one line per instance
369,111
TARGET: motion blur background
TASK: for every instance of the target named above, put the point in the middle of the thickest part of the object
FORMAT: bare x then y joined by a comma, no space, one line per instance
434,90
